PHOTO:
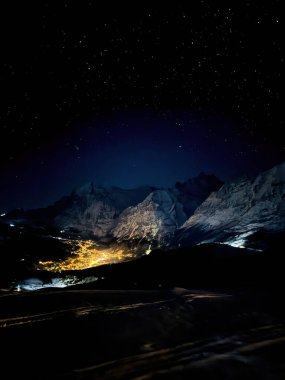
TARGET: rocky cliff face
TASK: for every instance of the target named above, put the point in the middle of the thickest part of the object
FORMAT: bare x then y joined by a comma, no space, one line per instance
239,209
95,210
153,220
157,218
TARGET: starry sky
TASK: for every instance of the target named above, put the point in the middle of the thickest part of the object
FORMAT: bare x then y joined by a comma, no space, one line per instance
132,95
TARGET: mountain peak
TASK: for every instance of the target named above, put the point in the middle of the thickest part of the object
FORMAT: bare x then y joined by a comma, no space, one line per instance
199,182
240,208
152,220
195,190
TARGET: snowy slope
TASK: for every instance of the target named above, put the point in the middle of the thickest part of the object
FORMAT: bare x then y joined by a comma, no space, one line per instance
240,208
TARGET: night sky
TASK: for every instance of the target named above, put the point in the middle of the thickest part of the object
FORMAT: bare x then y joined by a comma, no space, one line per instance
136,95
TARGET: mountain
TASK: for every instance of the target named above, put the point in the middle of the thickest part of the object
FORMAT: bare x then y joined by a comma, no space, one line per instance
152,220
143,214
95,210
111,213
198,210
194,191
239,209
106,225
163,211
88,211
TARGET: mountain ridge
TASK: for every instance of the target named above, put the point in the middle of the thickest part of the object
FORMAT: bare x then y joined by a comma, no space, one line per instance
239,209
98,212
199,210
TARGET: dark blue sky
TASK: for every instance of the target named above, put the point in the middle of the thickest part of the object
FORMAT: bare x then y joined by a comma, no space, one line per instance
130,149
137,94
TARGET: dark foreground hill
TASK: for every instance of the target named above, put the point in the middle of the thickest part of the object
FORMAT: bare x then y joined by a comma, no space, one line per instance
167,334
143,320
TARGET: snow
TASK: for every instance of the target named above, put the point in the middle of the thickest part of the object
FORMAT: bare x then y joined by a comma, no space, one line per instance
201,207
153,219
95,210
144,213
242,207
32,284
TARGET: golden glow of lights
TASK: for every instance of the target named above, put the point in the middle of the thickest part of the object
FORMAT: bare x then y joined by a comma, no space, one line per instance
86,254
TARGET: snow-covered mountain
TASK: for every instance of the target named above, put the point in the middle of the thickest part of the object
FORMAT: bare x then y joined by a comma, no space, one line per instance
198,210
111,224
152,220
142,214
157,218
94,210
239,209
124,215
